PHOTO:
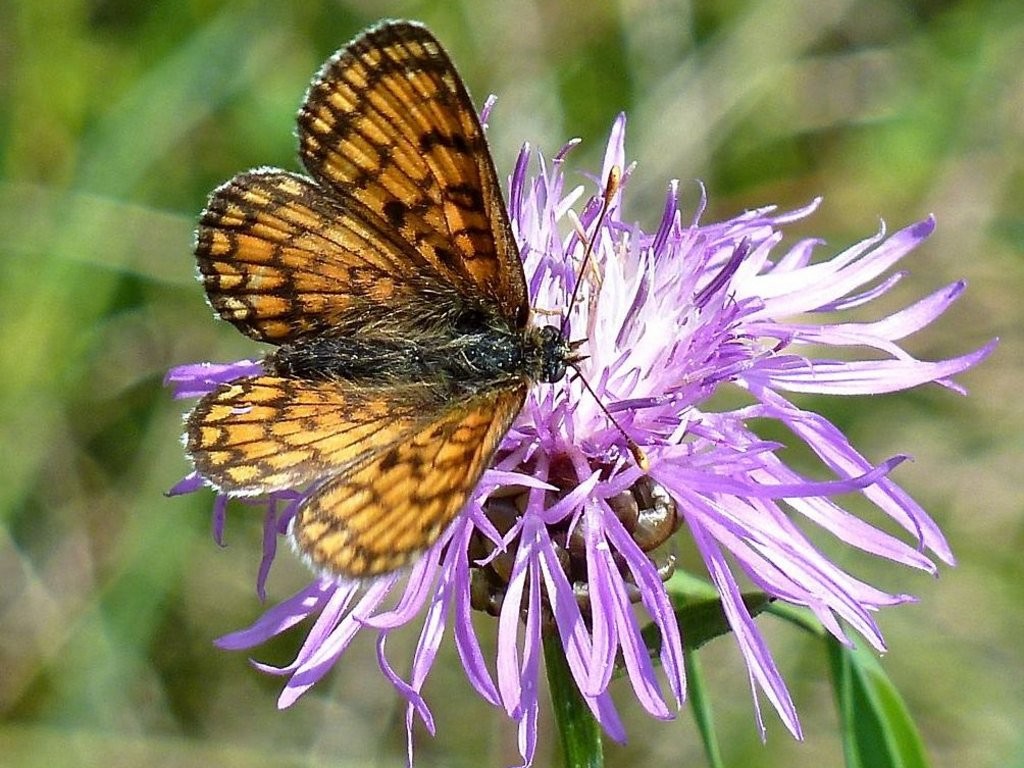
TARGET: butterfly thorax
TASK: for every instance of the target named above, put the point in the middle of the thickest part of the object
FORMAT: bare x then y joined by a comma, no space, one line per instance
456,360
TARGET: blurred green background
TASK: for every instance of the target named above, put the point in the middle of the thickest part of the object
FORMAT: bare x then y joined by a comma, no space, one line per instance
117,118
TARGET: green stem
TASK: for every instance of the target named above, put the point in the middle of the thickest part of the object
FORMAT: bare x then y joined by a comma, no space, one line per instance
578,731
701,706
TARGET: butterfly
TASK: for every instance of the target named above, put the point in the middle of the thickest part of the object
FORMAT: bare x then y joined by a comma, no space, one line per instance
389,281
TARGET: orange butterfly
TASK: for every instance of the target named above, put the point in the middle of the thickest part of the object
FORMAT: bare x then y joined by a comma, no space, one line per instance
392,286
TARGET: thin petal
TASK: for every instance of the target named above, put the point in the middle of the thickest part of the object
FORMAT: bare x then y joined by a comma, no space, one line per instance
605,639
634,652
198,379
509,680
530,673
759,660
323,657
280,618
836,377
655,601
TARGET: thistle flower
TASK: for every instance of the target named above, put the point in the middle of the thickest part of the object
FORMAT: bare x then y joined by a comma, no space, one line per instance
562,534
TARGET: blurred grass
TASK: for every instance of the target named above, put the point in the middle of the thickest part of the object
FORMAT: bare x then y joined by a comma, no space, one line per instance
117,118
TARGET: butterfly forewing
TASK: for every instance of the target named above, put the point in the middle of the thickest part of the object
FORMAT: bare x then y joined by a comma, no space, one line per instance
389,123
281,260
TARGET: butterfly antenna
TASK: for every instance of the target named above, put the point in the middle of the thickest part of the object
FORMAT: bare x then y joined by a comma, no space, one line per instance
634,449
610,188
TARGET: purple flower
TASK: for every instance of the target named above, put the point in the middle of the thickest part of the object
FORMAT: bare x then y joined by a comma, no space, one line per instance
563,532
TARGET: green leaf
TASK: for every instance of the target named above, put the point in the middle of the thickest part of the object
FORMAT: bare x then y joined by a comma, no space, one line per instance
700,621
701,618
698,612
877,729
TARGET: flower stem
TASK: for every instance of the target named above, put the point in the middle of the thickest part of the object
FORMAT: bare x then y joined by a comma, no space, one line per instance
701,706
578,731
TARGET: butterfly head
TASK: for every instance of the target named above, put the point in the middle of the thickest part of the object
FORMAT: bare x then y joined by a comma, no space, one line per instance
553,353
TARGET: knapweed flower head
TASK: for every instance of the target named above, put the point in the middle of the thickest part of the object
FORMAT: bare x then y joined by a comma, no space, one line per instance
565,533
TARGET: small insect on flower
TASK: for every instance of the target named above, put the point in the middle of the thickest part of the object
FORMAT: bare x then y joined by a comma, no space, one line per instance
392,285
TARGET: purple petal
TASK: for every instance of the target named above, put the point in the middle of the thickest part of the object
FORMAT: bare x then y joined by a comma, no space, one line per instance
674,477
655,601
269,549
896,326
791,293
634,652
531,668
758,659
198,379
569,620
465,637
279,618
317,661
615,151
836,377
485,110
865,297
188,484
509,681
604,635
669,219
829,443
517,184
417,704
220,513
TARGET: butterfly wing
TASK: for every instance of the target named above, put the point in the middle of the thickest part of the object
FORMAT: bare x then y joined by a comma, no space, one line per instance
401,229
380,516
267,433
388,123
399,464
280,260
405,209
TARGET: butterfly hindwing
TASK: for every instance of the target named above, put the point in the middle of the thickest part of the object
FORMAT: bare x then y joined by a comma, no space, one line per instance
271,433
385,513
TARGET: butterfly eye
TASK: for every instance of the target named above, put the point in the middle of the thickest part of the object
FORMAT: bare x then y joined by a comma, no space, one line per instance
554,354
